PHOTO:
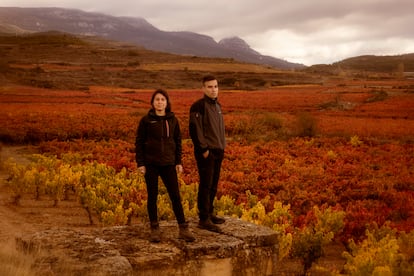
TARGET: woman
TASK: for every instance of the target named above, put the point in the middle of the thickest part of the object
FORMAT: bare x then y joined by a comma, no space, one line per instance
158,153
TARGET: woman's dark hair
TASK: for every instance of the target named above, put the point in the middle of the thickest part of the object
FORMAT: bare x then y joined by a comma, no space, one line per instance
165,94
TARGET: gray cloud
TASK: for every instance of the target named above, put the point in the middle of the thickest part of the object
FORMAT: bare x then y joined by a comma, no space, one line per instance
305,31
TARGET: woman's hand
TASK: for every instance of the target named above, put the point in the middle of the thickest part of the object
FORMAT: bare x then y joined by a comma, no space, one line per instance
142,169
179,168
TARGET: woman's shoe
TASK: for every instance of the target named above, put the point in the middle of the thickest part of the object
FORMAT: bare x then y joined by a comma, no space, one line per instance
155,235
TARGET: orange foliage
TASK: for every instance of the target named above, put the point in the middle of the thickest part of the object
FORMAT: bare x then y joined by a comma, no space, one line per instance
371,179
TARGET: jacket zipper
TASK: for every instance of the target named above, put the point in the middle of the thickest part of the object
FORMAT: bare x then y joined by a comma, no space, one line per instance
168,128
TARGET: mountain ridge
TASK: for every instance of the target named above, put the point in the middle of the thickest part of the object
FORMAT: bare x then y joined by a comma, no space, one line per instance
135,30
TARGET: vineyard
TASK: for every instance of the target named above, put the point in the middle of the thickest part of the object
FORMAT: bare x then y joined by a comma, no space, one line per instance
325,163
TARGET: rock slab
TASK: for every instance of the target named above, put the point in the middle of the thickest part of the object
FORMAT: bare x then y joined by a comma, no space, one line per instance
242,249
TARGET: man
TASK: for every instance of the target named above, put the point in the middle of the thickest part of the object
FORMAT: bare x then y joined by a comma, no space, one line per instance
206,126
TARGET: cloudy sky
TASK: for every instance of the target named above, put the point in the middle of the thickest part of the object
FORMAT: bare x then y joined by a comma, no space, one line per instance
303,31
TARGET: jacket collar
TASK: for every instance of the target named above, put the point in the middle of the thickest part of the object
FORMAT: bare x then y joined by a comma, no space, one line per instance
168,115
210,100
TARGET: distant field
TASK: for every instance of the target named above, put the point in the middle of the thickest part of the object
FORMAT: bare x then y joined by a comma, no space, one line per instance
212,67
367,109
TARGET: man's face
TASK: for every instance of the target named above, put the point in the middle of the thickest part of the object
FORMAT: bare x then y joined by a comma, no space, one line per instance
210,88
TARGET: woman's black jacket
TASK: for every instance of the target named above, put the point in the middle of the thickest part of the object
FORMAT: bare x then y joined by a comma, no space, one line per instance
158,140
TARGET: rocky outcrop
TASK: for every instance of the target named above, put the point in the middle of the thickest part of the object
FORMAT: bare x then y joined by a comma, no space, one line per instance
242,249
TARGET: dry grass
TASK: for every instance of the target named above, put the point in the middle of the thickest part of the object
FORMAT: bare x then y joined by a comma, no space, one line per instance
14,262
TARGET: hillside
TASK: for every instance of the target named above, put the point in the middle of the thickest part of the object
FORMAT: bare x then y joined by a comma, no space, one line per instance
64,61
396,64
134,30
373,63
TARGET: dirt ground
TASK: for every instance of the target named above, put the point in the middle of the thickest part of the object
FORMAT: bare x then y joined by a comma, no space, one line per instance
33,215
13,222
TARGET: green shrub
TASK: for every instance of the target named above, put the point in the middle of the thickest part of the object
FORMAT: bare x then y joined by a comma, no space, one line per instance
305,125
381,253
256,126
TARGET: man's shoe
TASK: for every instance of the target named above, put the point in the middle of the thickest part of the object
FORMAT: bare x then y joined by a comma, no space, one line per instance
217,220
209,225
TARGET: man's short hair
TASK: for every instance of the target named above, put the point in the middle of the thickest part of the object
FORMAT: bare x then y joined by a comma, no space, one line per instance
207,78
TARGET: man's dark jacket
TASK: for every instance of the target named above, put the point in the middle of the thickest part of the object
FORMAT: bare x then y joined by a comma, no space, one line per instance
206,125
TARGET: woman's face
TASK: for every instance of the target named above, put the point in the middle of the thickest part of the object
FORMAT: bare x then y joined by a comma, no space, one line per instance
160,102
